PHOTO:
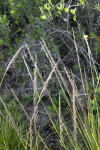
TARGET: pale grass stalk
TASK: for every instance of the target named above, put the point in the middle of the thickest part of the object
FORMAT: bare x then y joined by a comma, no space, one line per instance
76,91
81,77
28,70
31,119
9,114
64,82
76,48
60,123
48,93
30,130
40,75
74,116
53,63
79,118
98,79
19,103
91,61
88,126
89,99
86,83
47,54
64,126
46,82
11,61
29,52
34,116
91,121
35,101
34,97
90,56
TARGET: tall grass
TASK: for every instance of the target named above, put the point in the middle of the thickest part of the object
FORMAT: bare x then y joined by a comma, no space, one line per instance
84,130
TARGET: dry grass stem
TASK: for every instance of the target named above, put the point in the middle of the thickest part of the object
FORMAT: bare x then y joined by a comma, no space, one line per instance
92,64
19,103
12,60
74,116
53,63
40,75
28,69
76,48
60,123
46,82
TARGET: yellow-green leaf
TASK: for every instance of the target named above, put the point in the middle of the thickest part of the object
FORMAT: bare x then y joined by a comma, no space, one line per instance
43,17
59,12
66,10
74,18
73,11
85,36
50,2
12,12
82,2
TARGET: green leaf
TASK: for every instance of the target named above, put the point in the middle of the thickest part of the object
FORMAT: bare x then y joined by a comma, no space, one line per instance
97,90
99,6
1,41
60,7
82,2
18,5
50,2
66,10
46,66
43,17
41,10
17,40
74,18
59,12
76,67
78,4
12,11
92,34
79,26
1,70
55,49
73,11
1,19
45,7
4,17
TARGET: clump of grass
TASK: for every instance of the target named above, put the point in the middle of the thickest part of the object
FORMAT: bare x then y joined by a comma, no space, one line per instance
85,126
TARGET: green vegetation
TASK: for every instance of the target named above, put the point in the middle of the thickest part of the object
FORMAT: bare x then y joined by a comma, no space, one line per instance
49,75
